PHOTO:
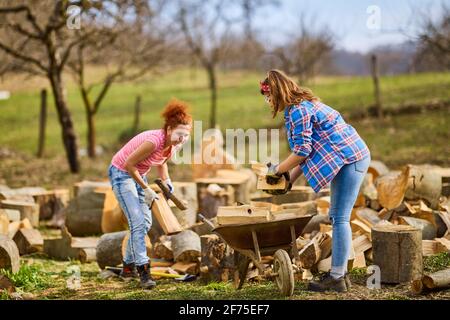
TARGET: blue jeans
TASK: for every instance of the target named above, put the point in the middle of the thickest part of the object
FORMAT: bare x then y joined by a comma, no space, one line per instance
131,199
344,191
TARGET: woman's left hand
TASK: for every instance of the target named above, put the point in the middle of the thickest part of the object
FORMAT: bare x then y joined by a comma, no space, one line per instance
169,184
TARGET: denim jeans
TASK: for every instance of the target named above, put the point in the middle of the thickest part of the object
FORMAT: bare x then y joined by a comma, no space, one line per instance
131,199
344,191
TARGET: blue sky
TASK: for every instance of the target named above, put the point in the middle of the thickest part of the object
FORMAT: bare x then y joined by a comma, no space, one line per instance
348,20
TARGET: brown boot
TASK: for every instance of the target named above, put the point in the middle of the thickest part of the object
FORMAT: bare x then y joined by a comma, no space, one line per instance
128,271
145,276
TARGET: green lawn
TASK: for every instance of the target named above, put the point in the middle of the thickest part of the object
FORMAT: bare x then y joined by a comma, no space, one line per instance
241,106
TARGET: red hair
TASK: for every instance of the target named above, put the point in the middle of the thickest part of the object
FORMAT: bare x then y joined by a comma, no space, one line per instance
175,113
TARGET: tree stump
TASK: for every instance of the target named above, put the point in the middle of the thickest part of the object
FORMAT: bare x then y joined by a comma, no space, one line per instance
218,261
186,246
397,250
9,254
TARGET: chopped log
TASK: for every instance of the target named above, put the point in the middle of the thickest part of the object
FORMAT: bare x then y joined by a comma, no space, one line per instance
217,259
186,246
311,253
13,215
86,186
361,244
425,183
50,202
236,179
391,188
445,242
163,248
4,223
16,225
28,241
368,216
432,247
315,223
212,197
377,168
397,250
324,265
113,218
242,214
68,247
27,210
9,255
186,267
297,194
368,189
428,229
20,194
358,225
166,219
323,205
6,284
325,246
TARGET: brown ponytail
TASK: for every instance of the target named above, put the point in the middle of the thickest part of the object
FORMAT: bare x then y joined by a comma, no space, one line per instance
175,113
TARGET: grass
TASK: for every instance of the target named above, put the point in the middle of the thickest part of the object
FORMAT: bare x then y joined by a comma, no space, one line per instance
47,279
239,104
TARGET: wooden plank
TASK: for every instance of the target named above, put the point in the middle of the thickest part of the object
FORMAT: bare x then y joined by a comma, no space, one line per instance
166,219
242,214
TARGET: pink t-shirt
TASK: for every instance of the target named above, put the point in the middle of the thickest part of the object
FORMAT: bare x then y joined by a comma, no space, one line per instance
157,137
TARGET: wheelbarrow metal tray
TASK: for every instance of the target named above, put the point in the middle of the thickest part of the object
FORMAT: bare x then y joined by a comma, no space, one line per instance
270,233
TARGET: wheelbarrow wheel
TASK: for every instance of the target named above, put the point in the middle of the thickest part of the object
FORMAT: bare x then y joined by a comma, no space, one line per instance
282,265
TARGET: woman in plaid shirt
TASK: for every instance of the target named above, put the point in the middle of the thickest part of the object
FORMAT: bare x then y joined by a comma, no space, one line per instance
326,150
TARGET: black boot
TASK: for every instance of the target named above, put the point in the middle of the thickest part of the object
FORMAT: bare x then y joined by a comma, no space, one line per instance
128,271
145,276
328,283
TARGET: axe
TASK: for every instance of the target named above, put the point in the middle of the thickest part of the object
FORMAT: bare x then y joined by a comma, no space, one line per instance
168,195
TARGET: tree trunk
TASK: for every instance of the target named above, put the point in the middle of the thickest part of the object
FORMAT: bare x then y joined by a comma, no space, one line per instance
218,261
65,119
91,137
213,87
42,124
376,83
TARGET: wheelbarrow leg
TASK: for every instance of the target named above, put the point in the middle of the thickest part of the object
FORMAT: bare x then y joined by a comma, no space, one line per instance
242,268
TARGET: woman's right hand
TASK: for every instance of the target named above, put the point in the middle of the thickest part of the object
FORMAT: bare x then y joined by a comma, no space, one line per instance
150,196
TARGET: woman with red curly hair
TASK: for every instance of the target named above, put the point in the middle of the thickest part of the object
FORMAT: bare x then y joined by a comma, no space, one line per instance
127,174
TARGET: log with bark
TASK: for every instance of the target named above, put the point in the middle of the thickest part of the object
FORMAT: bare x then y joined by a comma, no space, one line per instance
51,202
27,210
9,254
397,250
186,246
427,228
111,248
94,211
163,248
212,197
217,259
68,247
439,280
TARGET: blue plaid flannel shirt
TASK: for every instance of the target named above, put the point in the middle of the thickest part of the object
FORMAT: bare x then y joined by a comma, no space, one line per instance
319,133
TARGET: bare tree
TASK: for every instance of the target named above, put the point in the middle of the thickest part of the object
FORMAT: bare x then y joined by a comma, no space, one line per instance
35,36
434,41
206,26
126,49
305,53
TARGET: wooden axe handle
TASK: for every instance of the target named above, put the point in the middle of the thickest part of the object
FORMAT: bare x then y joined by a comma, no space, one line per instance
168,195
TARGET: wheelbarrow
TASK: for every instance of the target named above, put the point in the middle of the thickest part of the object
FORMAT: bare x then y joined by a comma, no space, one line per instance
277,238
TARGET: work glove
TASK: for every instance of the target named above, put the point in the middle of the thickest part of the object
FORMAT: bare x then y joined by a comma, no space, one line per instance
150,196
169,185
272,176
